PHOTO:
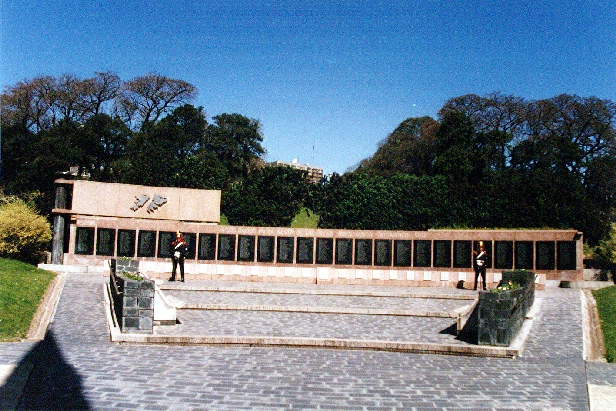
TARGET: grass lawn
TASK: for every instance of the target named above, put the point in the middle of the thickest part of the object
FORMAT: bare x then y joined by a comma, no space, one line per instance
606,305
22,287
305,219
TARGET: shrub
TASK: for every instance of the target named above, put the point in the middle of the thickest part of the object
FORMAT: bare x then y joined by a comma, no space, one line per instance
24,234
605,252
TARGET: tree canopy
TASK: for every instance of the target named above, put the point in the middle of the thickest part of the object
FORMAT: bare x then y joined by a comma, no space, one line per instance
491,161
513,163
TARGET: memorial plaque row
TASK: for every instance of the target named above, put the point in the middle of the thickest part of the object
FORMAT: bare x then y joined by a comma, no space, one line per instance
540,255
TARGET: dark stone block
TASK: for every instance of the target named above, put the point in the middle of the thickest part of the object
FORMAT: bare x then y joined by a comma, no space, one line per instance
501,314
131,292
130,312
128,284
129,301
146,294
133,299
145,323
146,313
130,322
146,302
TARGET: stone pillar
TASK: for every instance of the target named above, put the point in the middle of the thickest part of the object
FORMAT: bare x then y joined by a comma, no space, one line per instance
59,223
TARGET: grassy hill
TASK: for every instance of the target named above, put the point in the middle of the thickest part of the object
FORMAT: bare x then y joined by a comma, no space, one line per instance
22,287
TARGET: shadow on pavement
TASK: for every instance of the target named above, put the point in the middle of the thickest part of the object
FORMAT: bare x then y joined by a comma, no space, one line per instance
470,332
451,330
52,384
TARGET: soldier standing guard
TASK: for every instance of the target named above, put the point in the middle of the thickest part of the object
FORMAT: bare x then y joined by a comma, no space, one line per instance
179,253
481,258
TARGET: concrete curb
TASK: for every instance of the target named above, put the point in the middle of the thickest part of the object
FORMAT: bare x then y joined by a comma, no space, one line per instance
349,293
602,397
329,310
337,343
593,343
46,310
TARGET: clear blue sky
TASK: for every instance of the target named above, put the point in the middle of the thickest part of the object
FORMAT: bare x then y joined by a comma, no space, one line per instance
328,80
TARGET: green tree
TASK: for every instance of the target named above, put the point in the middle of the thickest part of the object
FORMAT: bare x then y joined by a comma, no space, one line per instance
146,99
236,140
64,145
17,156
174,152
459,158
269,196
372,202
410,149
111,136
42,102
605,252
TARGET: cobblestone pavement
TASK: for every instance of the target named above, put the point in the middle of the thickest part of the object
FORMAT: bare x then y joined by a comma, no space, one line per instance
77,367
285,324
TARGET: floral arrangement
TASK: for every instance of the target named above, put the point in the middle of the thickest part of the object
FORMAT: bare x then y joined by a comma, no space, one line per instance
132,276
506,287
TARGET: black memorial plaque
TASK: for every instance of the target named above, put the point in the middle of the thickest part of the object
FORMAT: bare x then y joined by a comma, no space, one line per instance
524,255
285,250
422,254
191,241
246,248
382,253
503,255
105,241
305,250
126,243
462,254
226,247
545,255
207,246
325,250
84,242
165,249
146,244
566,255
344,251
442,253
402,253
363,252
265,249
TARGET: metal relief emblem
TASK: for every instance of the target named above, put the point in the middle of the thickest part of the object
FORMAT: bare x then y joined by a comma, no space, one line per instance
157,201
140,202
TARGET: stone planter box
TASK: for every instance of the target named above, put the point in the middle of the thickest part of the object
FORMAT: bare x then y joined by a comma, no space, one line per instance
133,300
501,314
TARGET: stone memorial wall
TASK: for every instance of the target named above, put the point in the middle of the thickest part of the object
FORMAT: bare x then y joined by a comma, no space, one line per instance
416,258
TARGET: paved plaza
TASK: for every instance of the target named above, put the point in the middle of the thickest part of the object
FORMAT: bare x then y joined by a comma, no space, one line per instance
77,367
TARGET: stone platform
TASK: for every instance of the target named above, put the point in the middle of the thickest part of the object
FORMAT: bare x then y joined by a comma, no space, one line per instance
76,366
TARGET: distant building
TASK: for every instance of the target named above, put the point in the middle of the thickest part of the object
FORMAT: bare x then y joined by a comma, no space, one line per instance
315,174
